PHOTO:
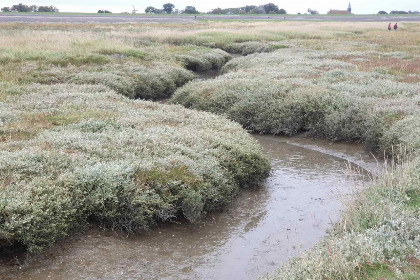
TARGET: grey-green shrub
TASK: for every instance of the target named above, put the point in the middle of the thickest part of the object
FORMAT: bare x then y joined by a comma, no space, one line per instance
279,108
247,48
200,61
95,155
405,133
136,81
288,92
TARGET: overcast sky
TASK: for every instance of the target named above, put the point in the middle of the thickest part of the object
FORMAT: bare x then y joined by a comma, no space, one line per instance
293,6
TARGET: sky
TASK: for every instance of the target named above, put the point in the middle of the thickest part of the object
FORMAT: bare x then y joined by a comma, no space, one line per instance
292,7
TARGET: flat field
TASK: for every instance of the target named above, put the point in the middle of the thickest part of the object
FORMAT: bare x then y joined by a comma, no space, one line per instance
165,18
77,146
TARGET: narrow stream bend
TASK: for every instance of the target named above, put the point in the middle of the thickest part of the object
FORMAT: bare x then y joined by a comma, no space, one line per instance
259,231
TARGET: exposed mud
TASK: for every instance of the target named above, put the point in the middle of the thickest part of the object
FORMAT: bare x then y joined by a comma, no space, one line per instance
261,229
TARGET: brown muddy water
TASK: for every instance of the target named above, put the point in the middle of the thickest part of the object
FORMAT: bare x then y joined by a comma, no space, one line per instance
262,229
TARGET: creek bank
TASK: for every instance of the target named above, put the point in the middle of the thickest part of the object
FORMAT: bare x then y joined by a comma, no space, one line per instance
263,227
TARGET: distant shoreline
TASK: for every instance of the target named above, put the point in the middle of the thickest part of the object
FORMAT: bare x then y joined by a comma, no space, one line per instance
126,18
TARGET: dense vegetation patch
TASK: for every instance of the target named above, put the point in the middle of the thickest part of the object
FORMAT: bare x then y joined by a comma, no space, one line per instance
135,69
209,60
294,91
136,81
77,152
126,164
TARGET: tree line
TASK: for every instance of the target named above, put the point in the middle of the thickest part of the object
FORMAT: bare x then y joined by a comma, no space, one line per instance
169,8
399,13
27,9
268,8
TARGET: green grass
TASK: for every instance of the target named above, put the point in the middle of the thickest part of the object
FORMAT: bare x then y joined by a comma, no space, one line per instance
413,199
57,59
129,53
377,271
383,272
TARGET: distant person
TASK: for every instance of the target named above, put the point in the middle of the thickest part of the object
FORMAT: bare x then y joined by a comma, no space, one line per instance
389,27
395,26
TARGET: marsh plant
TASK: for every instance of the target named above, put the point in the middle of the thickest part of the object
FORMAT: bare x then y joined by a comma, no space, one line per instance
338,95
300,91
87,153
76,146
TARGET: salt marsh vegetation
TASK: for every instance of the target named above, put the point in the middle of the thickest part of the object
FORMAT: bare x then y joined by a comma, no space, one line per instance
75,147
75,153
347,90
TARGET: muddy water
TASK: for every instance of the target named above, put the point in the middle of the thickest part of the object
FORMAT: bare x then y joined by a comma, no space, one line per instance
262,229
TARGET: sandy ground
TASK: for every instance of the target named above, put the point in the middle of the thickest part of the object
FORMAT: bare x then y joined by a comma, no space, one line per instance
78,18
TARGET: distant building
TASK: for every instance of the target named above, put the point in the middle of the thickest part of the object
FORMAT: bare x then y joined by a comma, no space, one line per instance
341,12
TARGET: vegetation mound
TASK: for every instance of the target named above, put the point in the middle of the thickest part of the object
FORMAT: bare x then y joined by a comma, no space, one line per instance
204,61
289,92
71,154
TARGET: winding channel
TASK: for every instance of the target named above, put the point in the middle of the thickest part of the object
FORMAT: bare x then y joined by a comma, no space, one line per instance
263,228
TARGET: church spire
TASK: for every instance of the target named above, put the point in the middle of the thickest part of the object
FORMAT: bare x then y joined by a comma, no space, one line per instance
349,8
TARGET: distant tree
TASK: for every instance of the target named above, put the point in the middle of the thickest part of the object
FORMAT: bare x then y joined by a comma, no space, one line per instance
5,9
234,11
217,11
168,8
104,12
21,8
48,9
282,11
382,13
398,12
248,9
150,10
258,10
414,12
190,10
312,12
271,8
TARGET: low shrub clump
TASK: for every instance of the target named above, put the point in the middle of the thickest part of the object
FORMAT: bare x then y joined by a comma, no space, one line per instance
200,61
251,47
93,155
289,92
131,80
